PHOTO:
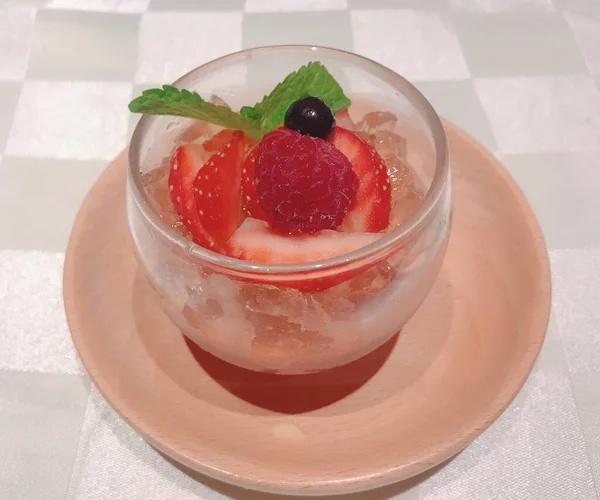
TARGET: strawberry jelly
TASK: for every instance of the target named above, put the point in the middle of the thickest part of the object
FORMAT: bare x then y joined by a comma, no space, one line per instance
285,329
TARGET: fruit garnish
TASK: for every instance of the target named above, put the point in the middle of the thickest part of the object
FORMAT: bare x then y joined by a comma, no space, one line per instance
255,241
217,141
186,161
371,212
206,194
221,138
304,184
171,101
310,116
217,191
250,205
312,79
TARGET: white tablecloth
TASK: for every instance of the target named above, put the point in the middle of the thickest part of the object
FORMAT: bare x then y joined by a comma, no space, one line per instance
523,76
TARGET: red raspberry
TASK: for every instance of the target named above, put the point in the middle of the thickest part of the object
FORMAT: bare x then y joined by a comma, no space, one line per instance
304,184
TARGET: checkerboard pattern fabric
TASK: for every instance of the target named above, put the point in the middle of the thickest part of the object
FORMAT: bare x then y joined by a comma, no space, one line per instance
522,76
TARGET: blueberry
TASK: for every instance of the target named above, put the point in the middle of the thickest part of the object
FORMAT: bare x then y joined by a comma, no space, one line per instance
310,116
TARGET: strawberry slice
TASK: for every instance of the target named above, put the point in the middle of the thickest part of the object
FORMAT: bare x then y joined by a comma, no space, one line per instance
216,191
254,241
220,139
250,205
206,193
371,212
185,164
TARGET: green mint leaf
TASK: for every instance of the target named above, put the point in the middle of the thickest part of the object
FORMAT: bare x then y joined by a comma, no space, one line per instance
171,101
250,113
312,80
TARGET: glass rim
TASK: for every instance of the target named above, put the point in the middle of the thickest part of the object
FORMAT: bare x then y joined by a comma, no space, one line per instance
402,232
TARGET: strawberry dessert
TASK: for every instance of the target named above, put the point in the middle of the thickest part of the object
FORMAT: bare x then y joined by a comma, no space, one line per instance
294,179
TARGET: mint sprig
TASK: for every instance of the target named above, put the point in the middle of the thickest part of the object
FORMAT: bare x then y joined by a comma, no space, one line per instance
171,101
313,80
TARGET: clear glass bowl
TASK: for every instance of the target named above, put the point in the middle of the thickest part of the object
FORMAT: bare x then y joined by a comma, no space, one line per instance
269,317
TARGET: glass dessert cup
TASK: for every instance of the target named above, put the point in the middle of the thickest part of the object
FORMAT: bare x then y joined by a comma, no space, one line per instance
297,318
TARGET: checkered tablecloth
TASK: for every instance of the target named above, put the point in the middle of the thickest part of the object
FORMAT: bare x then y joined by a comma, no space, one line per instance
522,76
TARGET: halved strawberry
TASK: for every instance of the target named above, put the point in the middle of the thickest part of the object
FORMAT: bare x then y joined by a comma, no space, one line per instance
371,212
206,193
185,164
221,138
250,205
216,191
254,241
